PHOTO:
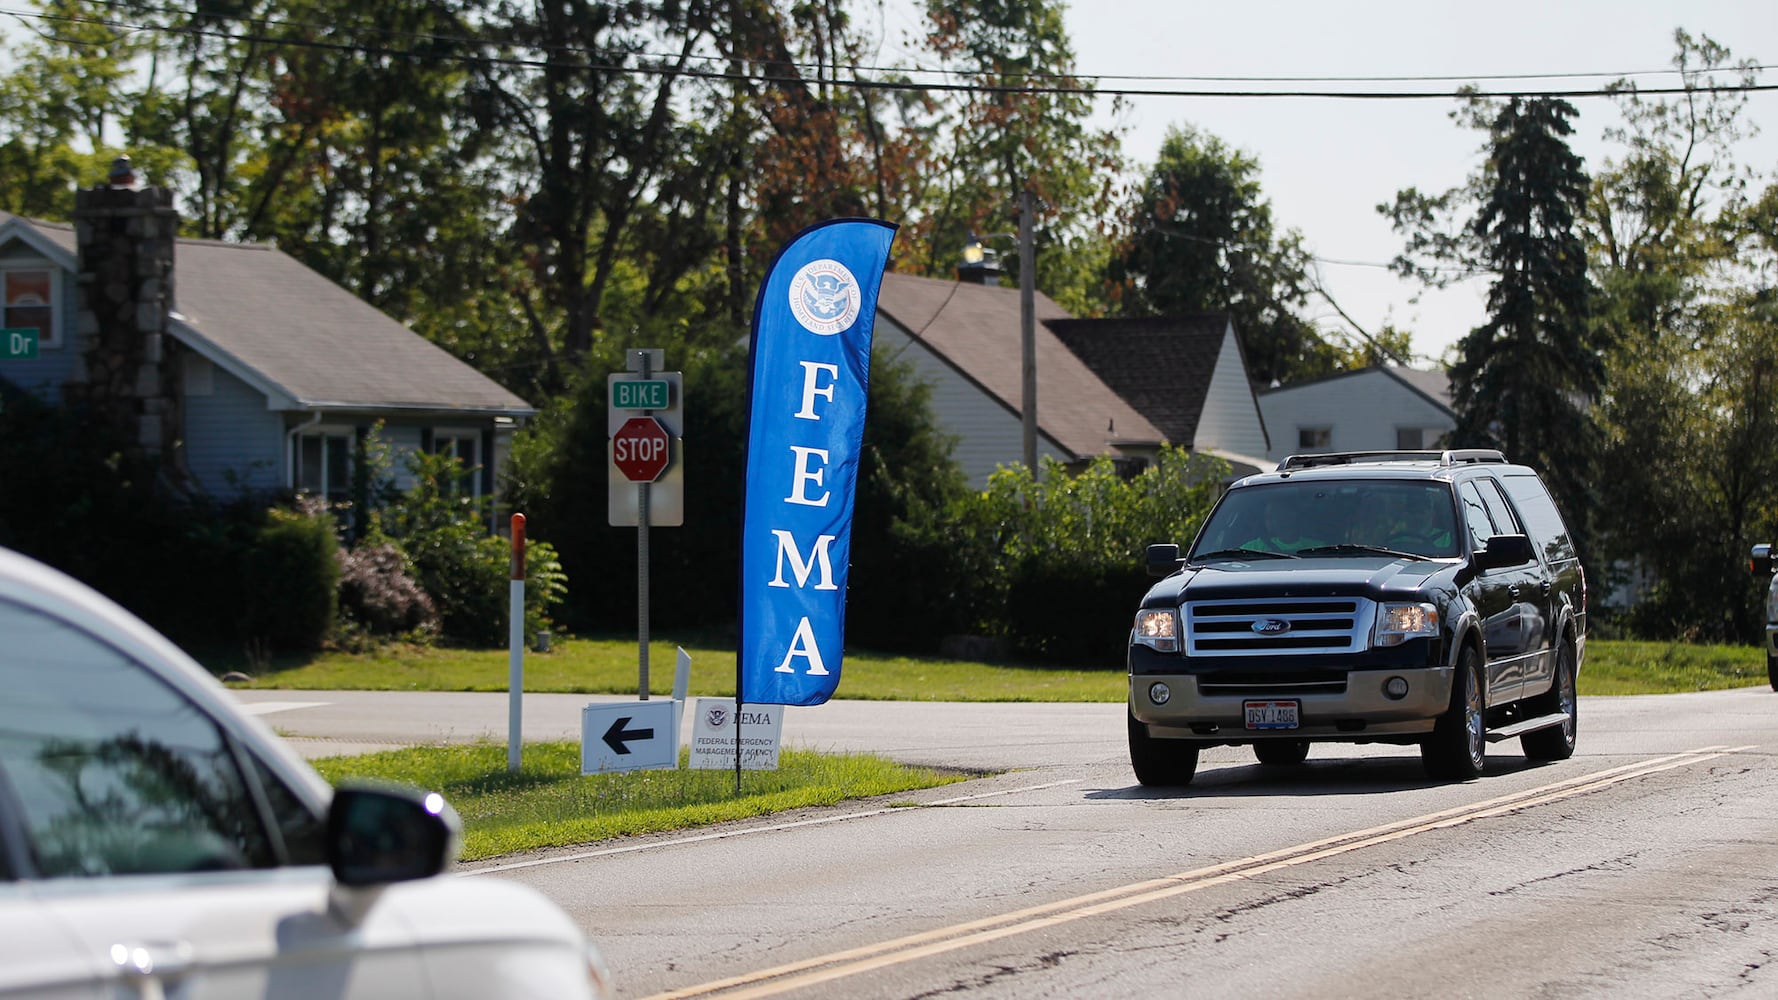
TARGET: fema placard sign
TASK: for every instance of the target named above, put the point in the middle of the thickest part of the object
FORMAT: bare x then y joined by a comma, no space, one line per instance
713,730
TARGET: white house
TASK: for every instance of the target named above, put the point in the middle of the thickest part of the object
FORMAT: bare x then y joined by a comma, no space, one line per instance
1384,408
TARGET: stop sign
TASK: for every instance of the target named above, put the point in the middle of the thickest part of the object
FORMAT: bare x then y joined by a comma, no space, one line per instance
639,449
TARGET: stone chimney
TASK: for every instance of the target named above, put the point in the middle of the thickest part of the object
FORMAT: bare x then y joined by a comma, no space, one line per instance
127,374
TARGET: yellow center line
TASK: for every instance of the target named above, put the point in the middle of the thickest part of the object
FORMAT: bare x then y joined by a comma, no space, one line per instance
841,964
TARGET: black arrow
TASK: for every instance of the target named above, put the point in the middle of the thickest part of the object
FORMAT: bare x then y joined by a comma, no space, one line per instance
618,738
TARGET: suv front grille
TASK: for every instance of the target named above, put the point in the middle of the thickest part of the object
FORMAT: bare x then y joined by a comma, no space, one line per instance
1261,683
1231,627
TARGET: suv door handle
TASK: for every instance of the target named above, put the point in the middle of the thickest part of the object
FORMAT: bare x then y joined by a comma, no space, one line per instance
1512,591
1546,588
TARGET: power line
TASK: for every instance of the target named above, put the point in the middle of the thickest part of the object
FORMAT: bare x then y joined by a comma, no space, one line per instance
1063,86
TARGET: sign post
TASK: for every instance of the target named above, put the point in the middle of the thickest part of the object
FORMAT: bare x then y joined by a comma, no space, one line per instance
644,419
515,640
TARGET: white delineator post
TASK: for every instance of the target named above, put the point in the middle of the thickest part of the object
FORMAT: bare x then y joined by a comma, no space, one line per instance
515,638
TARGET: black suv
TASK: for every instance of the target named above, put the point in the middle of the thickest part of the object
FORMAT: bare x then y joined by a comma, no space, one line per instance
1429,598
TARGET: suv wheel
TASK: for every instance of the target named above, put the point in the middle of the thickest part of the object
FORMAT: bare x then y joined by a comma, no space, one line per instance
1161,762
1772,669
1281,752
1556,742
1458,746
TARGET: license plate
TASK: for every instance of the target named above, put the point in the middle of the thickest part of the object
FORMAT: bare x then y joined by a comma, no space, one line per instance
1271,714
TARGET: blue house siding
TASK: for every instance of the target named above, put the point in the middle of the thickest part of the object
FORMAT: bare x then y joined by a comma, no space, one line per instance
233,444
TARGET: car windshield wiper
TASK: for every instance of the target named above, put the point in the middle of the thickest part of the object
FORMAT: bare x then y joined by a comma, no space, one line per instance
1322,550
1241,554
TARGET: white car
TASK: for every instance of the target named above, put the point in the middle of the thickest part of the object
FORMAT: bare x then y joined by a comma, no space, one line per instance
156,841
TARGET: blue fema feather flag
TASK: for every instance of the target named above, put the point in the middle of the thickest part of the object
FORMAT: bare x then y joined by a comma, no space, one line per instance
810,373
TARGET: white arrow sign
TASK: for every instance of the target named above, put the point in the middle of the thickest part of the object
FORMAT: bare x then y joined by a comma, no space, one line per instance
628,736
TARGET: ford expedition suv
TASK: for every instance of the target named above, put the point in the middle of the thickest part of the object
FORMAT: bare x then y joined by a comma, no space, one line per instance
1429,598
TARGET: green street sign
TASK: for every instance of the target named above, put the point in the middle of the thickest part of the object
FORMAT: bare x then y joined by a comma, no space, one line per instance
639,394
18,343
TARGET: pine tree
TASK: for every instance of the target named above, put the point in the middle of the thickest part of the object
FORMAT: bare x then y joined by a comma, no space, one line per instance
1526,379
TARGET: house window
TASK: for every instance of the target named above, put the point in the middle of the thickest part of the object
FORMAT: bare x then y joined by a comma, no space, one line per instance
1314,438
324,465
1417,438
465,447
29,302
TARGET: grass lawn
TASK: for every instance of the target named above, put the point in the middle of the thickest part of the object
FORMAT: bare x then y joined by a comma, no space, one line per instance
550,804
609,666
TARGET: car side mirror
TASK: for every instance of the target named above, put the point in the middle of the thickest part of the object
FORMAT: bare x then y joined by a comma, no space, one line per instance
1760,563
1163,559
381,835
1505,550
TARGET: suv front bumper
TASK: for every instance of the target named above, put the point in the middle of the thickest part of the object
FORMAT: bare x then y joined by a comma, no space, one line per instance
1361,713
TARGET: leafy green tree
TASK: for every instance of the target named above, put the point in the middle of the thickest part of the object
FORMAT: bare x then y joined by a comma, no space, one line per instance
1024,127
61,107
1692,434
1200,238
1685,262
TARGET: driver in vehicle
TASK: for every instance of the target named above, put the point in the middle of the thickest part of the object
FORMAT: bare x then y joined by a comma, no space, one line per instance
1281,524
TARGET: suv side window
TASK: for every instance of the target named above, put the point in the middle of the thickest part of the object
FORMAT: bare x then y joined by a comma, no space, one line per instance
1542,521
113,771
1475,515
1498,509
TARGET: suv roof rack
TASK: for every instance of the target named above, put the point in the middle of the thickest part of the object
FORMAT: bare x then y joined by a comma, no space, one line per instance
1464,456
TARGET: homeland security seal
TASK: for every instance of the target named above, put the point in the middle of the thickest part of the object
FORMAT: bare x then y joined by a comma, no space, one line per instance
824,297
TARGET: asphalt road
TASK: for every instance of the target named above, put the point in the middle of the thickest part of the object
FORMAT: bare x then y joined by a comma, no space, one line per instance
1641,867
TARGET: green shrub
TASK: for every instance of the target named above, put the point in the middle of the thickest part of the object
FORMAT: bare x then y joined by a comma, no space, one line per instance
292,575
465,571
1063,567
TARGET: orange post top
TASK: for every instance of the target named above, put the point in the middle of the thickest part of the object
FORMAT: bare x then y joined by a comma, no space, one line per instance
518,546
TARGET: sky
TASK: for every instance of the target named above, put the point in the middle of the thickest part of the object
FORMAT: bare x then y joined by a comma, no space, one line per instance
1326,164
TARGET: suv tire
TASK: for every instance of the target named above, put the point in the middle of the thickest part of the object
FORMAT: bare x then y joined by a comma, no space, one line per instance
1281,753
1556,742
1457,749
1772,669
1161,763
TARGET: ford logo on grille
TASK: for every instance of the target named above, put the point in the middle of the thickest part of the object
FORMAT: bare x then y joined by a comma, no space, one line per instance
1271,626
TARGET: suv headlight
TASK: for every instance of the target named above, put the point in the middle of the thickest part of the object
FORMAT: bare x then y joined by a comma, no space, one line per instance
1397,623
1158,629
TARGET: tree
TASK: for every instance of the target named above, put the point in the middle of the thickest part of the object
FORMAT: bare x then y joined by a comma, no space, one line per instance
1024,126
61,107
1686,263
1200,238
1525,380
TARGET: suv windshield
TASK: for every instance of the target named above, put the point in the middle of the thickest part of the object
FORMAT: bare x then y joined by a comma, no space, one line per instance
1356,517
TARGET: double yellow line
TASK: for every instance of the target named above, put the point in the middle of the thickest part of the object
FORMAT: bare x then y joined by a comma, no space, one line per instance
841,964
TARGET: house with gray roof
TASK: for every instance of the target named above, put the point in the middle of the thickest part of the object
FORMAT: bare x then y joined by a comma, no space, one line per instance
1186,374
248,372
1382,408
963,339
